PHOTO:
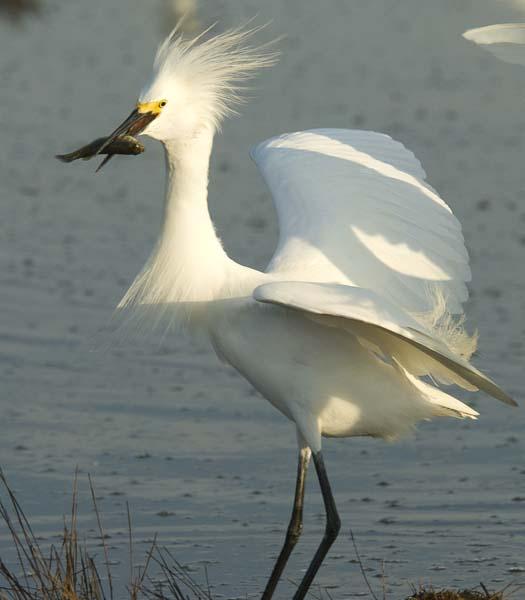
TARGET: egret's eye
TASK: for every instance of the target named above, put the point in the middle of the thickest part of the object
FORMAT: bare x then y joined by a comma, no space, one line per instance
163,103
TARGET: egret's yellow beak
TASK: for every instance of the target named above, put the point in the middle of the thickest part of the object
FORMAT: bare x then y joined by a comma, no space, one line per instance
138,120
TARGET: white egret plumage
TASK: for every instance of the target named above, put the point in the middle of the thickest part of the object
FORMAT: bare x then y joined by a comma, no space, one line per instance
504,40
357,318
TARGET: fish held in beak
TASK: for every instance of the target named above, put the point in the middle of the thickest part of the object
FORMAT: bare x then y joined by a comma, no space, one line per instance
134,125
121,141
123,144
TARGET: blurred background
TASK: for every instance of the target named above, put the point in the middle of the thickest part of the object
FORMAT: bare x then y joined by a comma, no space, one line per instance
202,460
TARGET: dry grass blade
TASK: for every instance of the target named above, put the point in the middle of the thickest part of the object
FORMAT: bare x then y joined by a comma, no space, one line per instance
68,572
65,573
361,566
102,537
133,585
174,577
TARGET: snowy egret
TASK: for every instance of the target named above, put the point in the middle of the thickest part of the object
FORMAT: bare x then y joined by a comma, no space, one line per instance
505,40
358,316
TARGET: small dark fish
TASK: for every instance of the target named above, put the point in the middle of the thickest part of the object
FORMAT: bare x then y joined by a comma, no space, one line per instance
123,144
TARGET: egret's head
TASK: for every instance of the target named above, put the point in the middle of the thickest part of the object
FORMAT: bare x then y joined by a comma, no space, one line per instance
195,84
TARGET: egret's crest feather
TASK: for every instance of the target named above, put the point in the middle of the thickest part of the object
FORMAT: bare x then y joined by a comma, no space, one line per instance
213,68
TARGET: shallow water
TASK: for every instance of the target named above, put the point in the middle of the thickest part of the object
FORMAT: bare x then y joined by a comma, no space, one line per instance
201,459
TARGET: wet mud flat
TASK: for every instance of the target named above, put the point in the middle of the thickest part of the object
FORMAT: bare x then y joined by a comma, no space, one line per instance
222,511
201,459
69,567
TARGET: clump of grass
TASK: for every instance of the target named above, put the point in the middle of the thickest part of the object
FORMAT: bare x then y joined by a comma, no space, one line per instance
482,593
67,571
431,594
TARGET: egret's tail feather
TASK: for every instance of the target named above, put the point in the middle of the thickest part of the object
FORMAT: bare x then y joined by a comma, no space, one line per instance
443,404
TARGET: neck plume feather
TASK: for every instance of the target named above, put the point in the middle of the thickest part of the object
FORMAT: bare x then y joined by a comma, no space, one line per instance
188,267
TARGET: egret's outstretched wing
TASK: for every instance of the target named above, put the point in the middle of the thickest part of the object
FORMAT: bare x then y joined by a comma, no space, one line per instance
506,41
353,208
383,327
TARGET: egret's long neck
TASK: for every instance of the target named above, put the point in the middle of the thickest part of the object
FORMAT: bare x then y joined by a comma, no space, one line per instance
187,221
196,261
188,266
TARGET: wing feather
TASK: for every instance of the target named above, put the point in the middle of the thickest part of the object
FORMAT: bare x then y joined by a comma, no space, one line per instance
354,208
384,326
506,41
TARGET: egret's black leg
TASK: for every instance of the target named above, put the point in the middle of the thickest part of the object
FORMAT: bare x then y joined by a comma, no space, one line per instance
294,528
333,525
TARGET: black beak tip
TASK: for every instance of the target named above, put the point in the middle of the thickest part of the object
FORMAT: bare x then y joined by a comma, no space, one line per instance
129,126
115,143
106,159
